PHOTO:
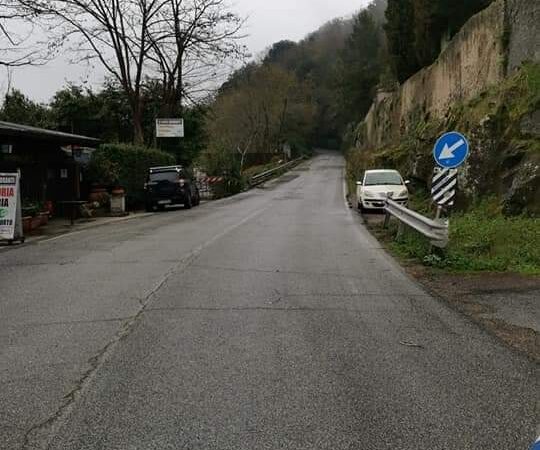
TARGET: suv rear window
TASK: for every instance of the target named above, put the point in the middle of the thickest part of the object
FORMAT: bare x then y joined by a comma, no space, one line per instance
171,176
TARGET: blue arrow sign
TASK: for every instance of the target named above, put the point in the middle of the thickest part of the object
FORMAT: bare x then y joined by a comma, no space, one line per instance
451,150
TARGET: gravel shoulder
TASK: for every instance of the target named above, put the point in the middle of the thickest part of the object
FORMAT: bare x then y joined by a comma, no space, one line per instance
505,304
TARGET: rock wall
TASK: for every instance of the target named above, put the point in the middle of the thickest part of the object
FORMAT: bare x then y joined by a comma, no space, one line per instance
471,62
480,86
523,19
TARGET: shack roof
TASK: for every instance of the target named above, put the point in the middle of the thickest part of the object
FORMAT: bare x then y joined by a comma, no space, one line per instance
27,132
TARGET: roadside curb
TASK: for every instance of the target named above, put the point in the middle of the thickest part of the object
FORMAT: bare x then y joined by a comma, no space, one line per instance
111,221
30,240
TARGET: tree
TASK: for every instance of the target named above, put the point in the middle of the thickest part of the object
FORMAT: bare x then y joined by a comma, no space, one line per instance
401,38
267,109
318,63
15,48
361,68
189,43
75,110
415,30
177,43
377,10
20,109
279,53
114,32
104,114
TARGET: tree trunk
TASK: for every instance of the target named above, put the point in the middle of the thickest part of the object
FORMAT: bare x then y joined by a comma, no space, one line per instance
138,130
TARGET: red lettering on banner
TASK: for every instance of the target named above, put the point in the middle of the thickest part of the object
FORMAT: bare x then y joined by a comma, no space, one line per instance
7,192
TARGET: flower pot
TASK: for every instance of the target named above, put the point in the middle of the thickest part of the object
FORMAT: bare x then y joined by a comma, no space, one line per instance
36,223
97,194
27,224
118,201
44,217
49,206
118,191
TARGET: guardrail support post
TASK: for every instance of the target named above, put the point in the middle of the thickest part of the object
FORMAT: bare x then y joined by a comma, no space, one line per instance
386,220
437,217
400,231
435,230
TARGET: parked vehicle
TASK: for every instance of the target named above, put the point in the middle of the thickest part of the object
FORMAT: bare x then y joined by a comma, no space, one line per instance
377,185
173,185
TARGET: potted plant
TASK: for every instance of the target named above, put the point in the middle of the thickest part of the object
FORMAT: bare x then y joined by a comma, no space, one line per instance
49,206
36,222
105,173
35,214
44,217
27,224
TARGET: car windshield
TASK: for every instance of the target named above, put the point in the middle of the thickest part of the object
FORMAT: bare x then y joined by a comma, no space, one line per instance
380,178
171,176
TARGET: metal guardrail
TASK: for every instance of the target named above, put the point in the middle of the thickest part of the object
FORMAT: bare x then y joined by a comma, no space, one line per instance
265,176
437,231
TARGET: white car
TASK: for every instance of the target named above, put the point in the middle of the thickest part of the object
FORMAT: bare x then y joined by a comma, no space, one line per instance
377,185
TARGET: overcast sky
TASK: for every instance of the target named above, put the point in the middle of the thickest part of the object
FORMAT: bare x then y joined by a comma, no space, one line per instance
268,21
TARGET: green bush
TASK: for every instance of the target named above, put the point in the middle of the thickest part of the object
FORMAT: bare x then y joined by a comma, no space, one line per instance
481,239
127,166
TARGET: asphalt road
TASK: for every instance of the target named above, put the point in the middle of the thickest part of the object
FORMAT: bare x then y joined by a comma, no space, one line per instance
271,320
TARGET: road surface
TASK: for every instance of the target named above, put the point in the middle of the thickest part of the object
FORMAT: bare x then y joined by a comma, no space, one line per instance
271,320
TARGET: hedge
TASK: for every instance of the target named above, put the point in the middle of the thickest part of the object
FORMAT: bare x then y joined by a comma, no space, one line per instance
127,166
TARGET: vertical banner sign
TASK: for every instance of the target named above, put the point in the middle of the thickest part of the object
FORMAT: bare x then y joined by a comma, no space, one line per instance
10,207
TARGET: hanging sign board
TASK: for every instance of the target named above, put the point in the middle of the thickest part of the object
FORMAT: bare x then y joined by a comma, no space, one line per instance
10,207
169,128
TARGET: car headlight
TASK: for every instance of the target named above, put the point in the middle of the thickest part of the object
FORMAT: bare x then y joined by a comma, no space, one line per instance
403,193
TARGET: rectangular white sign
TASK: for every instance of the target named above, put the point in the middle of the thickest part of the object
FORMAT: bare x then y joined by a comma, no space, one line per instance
169,128
9,201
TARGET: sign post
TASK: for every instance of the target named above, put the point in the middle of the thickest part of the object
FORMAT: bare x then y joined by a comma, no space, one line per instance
10,208
450,152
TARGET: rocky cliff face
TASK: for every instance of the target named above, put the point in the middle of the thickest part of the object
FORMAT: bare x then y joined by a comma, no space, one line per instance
486,84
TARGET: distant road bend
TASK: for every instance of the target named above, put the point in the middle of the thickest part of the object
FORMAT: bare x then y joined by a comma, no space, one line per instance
271,320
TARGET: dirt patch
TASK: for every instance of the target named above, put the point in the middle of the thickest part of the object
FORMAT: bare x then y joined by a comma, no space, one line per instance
496,301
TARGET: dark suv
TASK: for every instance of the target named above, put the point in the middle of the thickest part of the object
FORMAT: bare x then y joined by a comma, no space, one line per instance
170,186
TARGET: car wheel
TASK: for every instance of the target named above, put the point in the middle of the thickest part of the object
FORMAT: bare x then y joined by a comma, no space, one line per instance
161,208
150,208
189,203
361,208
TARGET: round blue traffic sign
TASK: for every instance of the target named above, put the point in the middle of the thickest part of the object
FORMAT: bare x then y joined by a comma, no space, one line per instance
451,150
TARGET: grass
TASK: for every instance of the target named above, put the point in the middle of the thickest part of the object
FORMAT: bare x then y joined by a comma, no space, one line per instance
481,240
256,170
511,100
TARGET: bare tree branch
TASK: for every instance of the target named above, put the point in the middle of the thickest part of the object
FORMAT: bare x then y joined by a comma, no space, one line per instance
115,33
17,27
189,43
